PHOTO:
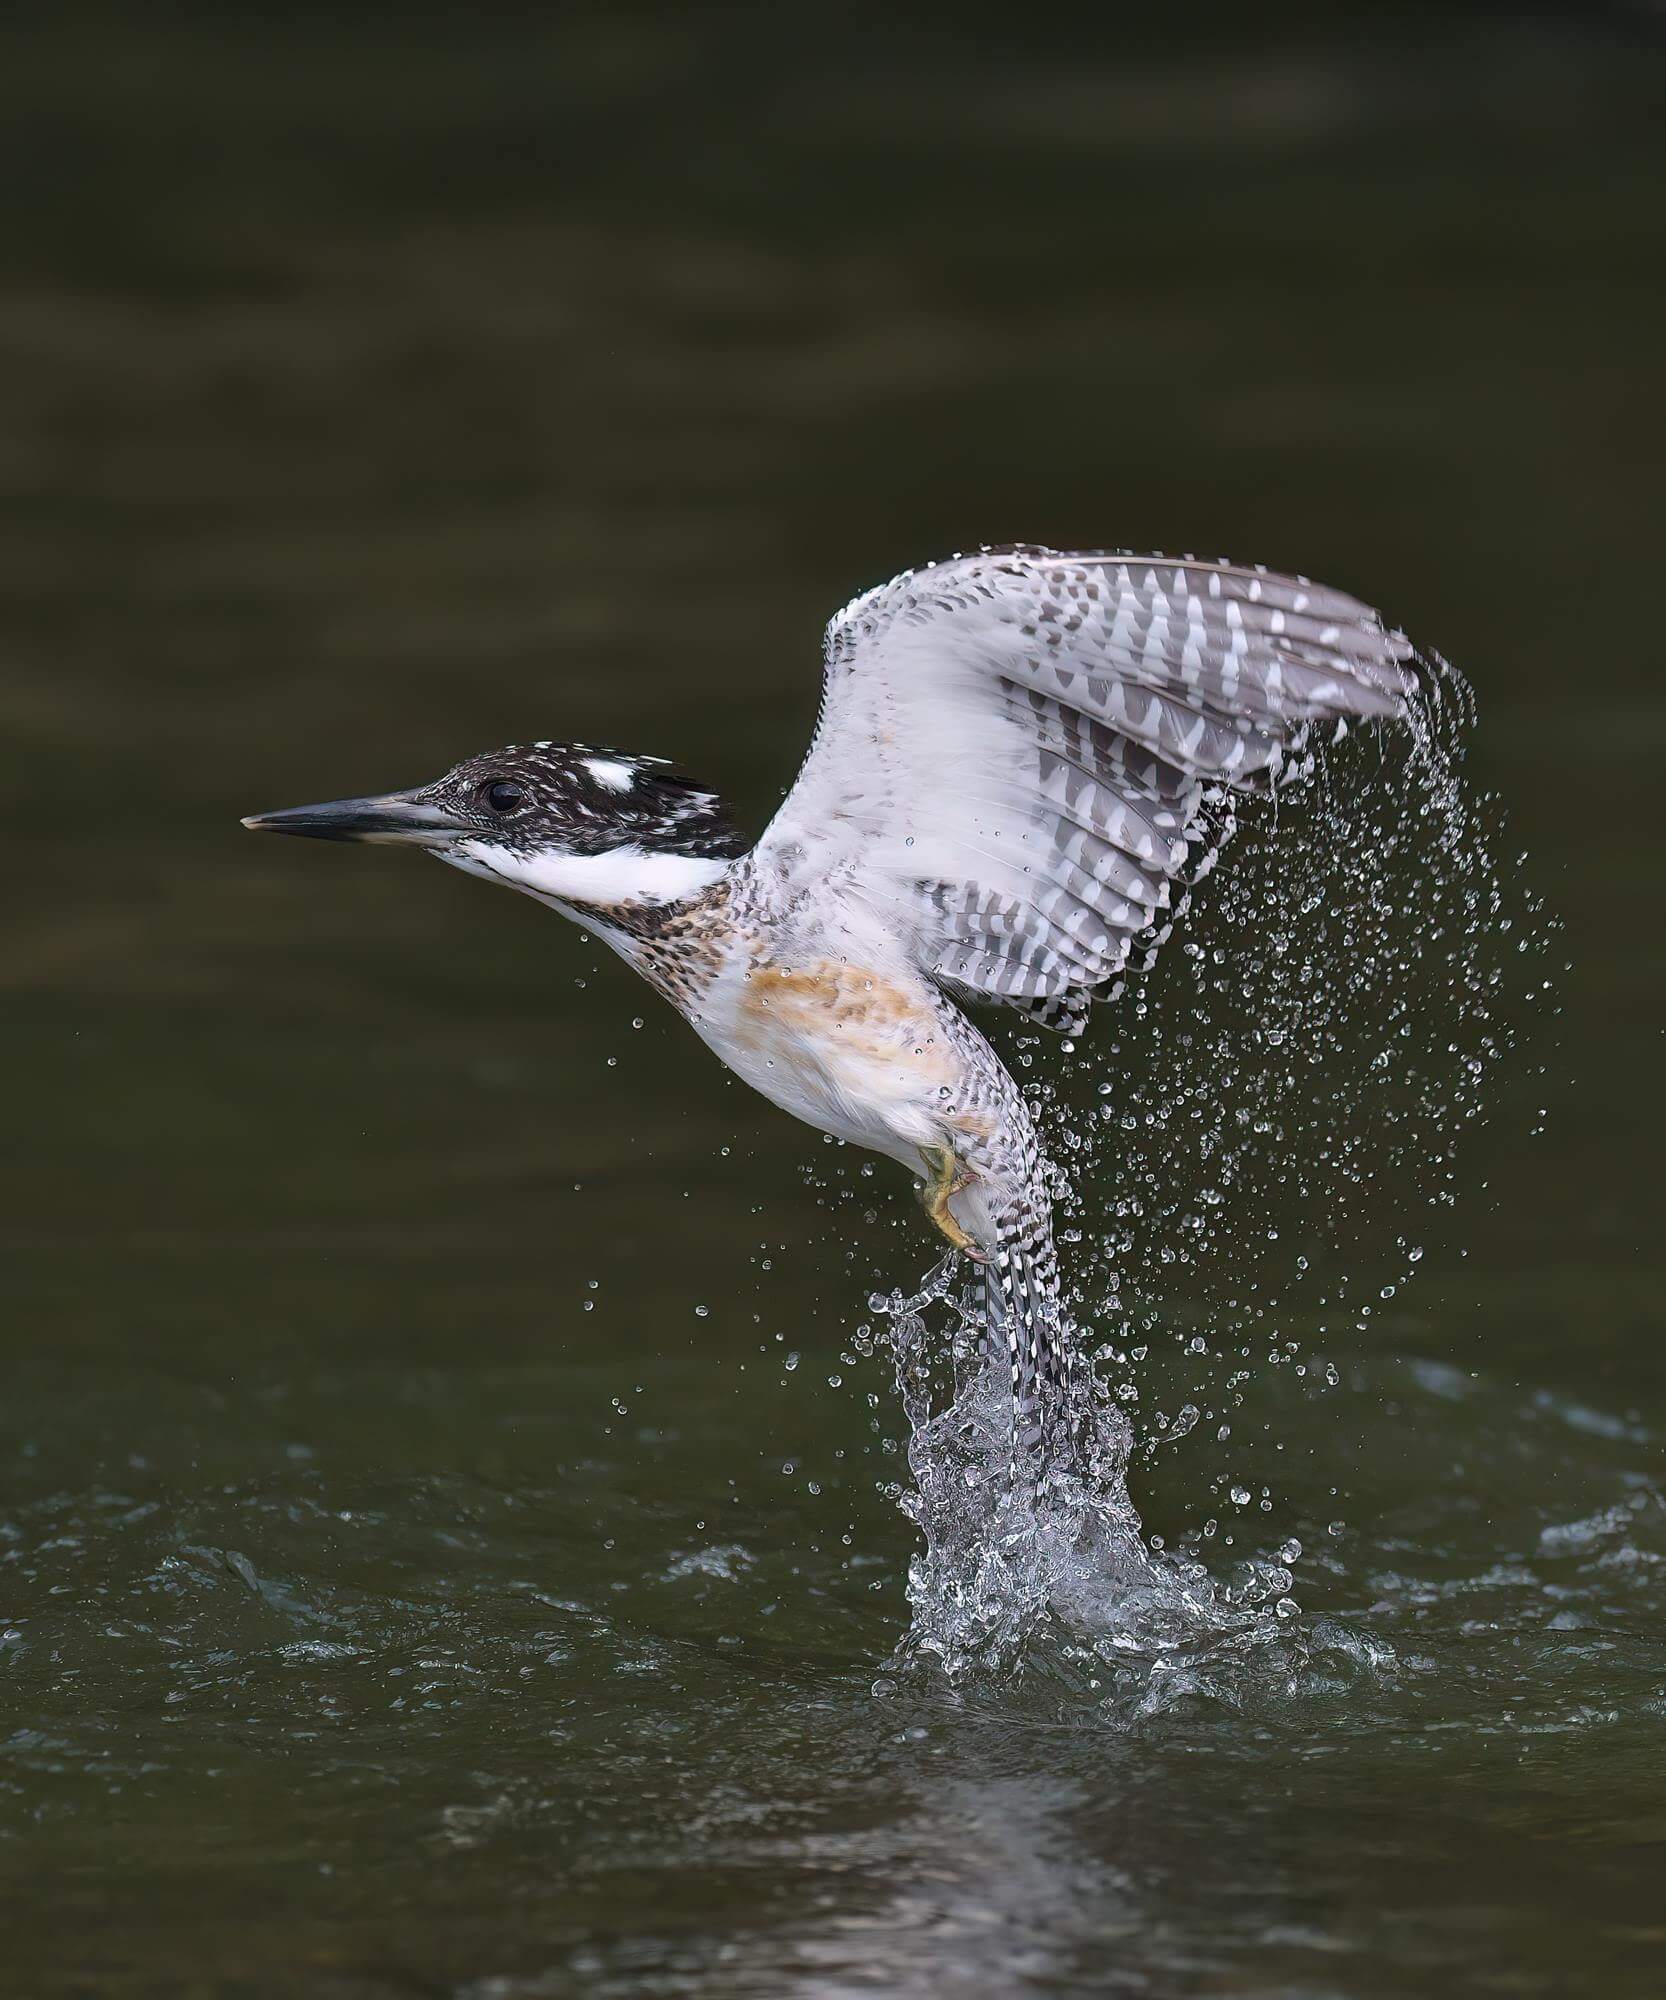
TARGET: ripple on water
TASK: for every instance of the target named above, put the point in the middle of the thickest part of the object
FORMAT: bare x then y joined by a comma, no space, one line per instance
1552,1630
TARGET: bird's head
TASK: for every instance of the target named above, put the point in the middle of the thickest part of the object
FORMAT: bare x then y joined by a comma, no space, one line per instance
585,829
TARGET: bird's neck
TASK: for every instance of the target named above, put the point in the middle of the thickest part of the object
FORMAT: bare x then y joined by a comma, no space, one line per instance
590,886
678,947
667,914
622,879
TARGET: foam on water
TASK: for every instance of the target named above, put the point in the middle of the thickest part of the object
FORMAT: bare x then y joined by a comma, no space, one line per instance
1249,1152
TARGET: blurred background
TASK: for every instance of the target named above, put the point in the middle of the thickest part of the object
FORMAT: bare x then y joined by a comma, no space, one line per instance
385,1304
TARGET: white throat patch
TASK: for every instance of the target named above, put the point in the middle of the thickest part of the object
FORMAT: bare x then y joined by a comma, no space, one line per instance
590,881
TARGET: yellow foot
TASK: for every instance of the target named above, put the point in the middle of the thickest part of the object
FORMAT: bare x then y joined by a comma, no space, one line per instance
945,1177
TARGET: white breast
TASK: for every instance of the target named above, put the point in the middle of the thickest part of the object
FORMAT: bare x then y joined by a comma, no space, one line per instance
849,1048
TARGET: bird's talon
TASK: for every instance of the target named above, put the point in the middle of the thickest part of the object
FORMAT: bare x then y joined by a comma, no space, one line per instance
946,1176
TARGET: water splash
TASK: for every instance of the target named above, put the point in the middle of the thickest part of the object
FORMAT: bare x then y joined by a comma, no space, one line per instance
1248,1155
1062,1572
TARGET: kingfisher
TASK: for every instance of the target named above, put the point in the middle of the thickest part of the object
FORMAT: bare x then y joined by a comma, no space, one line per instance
1024,759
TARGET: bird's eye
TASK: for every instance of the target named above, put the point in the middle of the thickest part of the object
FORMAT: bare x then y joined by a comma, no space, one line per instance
504,796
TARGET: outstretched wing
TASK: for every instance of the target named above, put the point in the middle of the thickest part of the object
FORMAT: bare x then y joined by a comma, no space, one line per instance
1022,754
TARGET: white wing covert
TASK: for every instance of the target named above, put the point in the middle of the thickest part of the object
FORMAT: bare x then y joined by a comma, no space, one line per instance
1023,754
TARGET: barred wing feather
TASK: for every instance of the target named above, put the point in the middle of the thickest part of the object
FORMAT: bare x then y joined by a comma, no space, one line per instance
1023,754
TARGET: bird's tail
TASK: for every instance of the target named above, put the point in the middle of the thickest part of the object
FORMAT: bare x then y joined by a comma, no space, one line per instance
1025,1320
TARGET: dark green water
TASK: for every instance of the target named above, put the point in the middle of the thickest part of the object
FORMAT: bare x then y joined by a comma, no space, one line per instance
420,1569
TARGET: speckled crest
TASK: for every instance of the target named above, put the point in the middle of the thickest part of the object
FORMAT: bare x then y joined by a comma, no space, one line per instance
585,800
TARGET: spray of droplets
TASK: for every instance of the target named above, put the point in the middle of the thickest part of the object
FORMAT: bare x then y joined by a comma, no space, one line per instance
1248,1149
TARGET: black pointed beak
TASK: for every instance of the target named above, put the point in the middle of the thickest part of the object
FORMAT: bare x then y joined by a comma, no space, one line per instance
394,816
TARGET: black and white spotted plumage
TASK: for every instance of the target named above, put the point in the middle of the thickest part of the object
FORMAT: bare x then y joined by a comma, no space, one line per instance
588,799
1023,761
1022,751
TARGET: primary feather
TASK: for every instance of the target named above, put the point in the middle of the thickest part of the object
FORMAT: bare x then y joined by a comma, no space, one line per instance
1023,760
1022,754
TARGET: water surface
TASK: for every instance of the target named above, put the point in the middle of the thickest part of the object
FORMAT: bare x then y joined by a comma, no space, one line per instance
435,1556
